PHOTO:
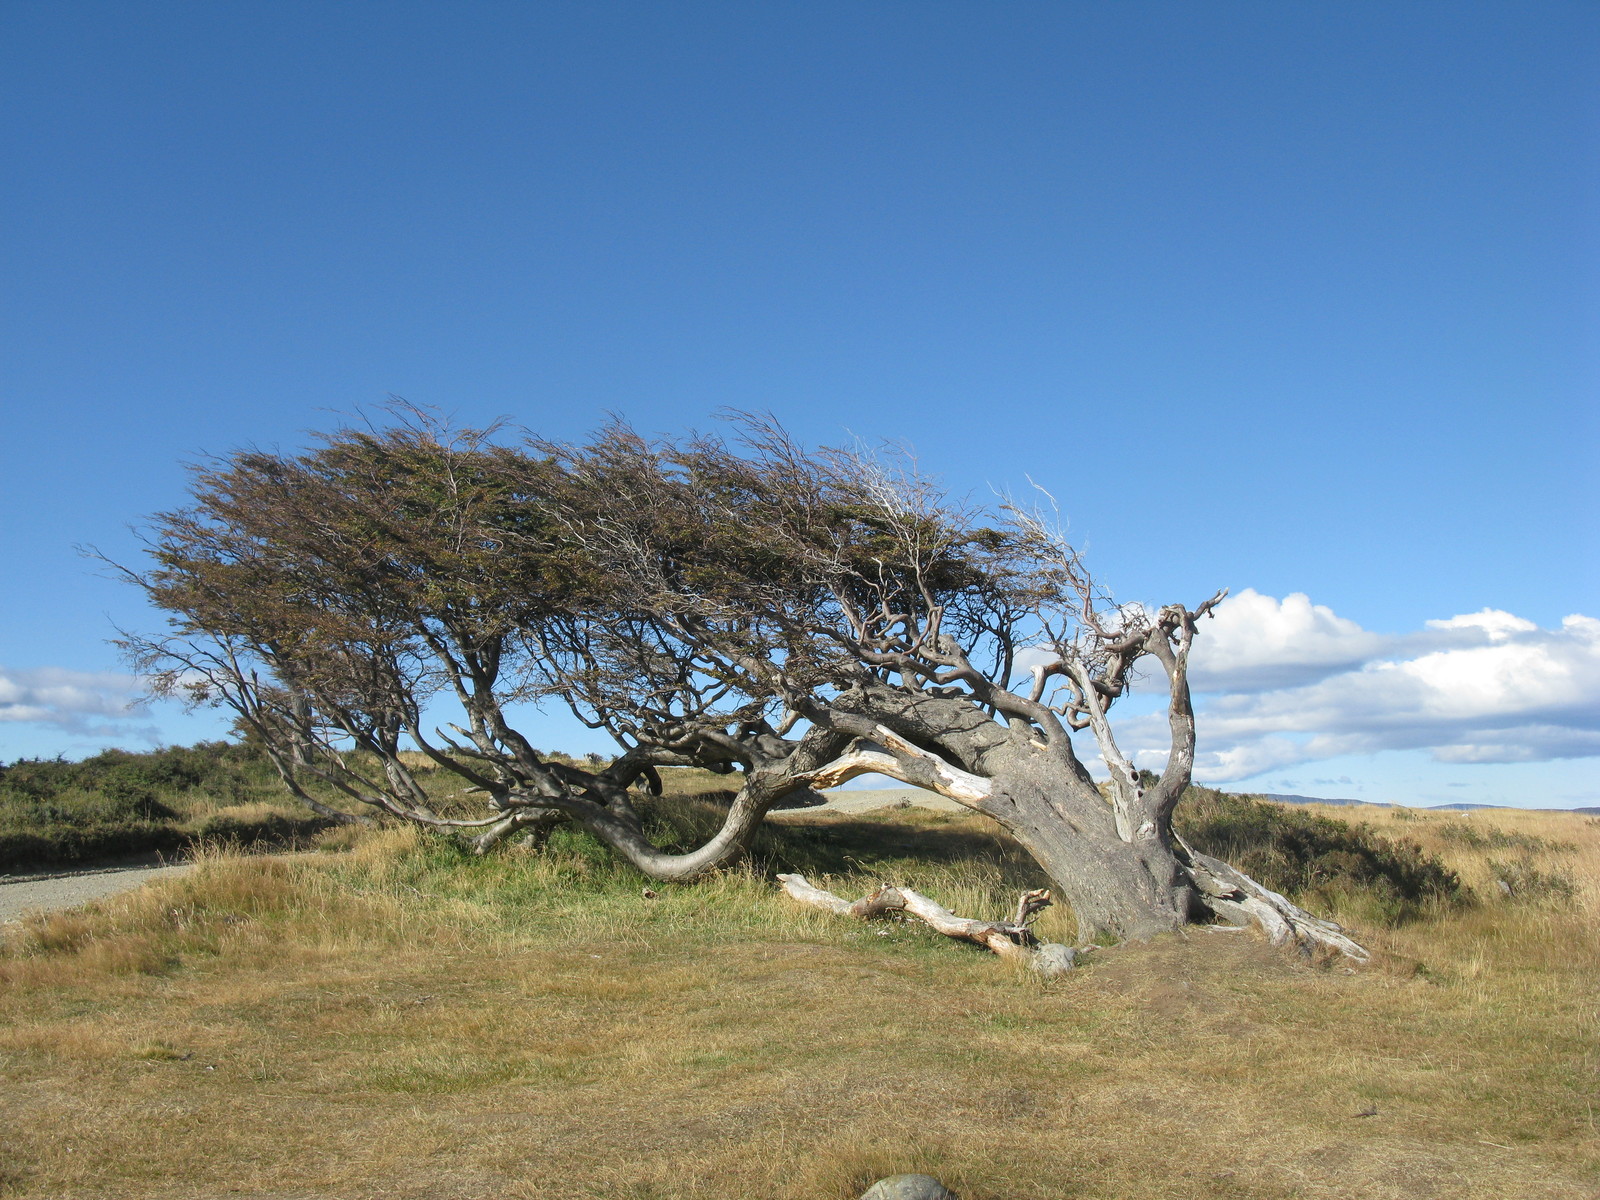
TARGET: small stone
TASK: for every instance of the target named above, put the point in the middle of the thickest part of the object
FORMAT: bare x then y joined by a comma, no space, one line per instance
908,1187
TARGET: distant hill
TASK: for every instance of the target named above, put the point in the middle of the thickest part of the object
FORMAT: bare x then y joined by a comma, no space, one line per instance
1592,811
1315,800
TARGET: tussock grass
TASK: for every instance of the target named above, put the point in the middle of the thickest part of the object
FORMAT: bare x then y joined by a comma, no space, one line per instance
393,1017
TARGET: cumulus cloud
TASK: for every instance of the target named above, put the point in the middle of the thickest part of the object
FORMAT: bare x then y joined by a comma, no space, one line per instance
1254,642
1497,626
1476,688
70,700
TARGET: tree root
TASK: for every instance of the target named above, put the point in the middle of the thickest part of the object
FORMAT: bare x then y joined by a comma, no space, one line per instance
1240,900
1011,940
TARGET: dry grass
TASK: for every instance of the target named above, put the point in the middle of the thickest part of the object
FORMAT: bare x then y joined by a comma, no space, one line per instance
391,1020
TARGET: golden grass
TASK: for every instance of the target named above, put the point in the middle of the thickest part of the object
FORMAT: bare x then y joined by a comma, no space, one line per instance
391,1020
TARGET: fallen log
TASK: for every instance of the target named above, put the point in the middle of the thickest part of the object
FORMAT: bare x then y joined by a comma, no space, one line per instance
1011,940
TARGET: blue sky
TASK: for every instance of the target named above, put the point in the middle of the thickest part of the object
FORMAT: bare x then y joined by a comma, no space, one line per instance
1299,299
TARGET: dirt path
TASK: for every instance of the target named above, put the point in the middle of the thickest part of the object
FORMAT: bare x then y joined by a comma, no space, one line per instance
68,889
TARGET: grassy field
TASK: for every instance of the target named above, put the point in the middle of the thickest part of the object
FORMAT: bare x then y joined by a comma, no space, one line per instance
389,1018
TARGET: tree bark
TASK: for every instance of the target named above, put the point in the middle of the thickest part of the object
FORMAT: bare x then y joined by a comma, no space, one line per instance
1116,889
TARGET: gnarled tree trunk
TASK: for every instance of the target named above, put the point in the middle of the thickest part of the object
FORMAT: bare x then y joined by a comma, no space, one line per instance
1111,853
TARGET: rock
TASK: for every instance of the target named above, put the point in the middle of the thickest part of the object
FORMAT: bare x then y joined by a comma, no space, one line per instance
908,1187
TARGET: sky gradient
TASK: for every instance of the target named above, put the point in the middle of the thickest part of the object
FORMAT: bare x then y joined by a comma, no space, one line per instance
1296,299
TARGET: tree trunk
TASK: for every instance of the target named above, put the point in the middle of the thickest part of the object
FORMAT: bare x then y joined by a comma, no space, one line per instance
1117,889
1117,861
1156,884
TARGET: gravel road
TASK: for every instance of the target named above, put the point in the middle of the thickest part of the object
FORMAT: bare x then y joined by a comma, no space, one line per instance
20,894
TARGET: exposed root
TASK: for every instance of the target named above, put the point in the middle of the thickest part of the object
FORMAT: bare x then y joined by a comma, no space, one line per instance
1011,940
1235,897
533,823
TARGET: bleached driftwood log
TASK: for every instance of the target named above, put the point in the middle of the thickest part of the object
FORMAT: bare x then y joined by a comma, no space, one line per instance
1011,940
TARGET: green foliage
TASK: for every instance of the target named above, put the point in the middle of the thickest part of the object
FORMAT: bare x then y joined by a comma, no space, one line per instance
1315,859
118,804
1497,839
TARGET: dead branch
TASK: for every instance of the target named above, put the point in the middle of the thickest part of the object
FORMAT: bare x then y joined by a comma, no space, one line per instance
1013,941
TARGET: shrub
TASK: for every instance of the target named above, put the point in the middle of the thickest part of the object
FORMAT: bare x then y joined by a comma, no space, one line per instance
1315,858
255,823
1526,882
117,804
1497,839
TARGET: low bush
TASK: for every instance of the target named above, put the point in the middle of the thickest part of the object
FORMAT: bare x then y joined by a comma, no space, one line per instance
118,804
65,844
1490,838
1526,881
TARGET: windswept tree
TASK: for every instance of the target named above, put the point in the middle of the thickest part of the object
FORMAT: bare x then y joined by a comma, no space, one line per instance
793,618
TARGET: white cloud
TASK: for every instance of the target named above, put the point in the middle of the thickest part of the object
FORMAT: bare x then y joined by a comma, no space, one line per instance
55,696
1255,642
1497,625
1482,687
